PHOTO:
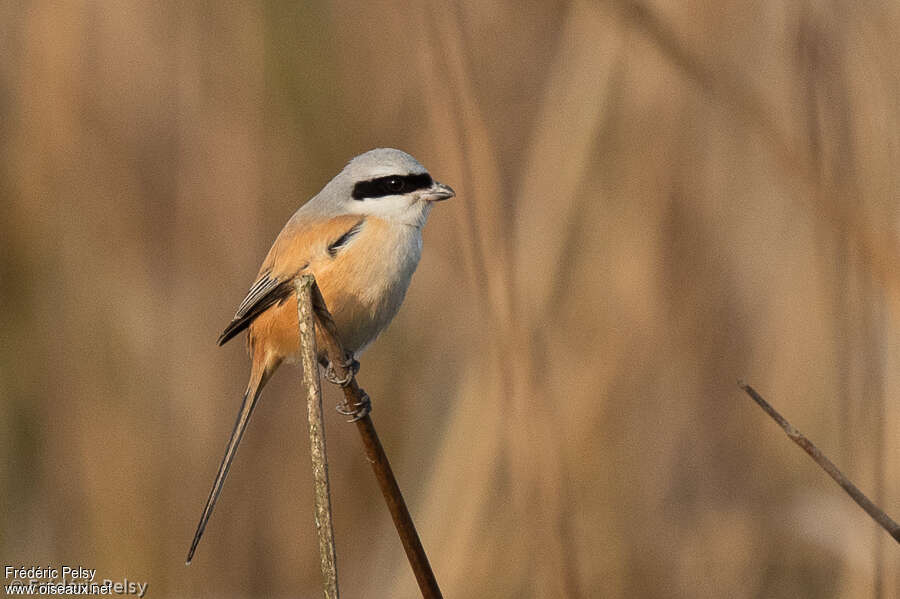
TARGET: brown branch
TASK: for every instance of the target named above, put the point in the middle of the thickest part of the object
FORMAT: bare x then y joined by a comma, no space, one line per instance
353,397
306,320
858,496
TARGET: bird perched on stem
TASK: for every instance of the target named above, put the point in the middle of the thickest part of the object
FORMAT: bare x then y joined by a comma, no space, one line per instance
361,236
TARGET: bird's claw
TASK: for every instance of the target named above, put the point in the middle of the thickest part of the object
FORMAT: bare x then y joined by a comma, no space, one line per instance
359,411
352,366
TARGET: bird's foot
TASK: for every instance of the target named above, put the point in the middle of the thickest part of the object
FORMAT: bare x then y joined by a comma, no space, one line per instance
358,411
352,366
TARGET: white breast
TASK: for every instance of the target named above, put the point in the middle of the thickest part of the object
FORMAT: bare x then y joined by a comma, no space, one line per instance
392,259
368,280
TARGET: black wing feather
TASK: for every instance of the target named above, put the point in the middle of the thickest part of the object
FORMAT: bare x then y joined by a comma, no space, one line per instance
261,298
344,239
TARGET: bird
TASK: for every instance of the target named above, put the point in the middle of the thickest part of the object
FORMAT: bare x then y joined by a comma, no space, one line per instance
361,237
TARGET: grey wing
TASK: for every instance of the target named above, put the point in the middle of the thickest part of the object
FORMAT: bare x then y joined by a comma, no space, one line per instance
265,292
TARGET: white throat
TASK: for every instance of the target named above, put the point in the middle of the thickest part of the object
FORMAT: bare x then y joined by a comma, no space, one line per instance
400,210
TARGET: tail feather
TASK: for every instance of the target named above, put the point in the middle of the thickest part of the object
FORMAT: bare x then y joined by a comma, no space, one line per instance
250,398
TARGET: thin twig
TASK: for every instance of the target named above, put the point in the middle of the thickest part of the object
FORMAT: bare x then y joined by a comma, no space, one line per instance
858,496
354,396
308,353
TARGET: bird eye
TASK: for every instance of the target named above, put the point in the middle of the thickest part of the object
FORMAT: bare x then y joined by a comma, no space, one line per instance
394,184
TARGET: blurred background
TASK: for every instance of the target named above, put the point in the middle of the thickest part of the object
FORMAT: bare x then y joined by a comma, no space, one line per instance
654,201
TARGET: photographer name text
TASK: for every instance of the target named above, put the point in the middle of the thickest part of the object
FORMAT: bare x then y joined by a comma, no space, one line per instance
67,580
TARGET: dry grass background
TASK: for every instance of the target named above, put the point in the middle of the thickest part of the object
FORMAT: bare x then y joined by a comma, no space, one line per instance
654,200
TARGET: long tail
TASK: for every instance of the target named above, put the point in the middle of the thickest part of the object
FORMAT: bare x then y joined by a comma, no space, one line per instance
250,396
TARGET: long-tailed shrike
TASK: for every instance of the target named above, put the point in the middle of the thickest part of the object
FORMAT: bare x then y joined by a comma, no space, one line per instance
361,236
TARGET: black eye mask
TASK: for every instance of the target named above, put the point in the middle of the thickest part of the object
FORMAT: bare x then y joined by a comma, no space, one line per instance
390,185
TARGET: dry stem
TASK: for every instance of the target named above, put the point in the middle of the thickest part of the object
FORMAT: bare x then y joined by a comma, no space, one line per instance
328,559
354,396
858,496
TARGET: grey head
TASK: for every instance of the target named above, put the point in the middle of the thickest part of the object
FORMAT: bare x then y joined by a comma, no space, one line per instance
383,182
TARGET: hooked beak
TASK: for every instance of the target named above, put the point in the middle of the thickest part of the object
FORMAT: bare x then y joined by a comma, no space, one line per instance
438,192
